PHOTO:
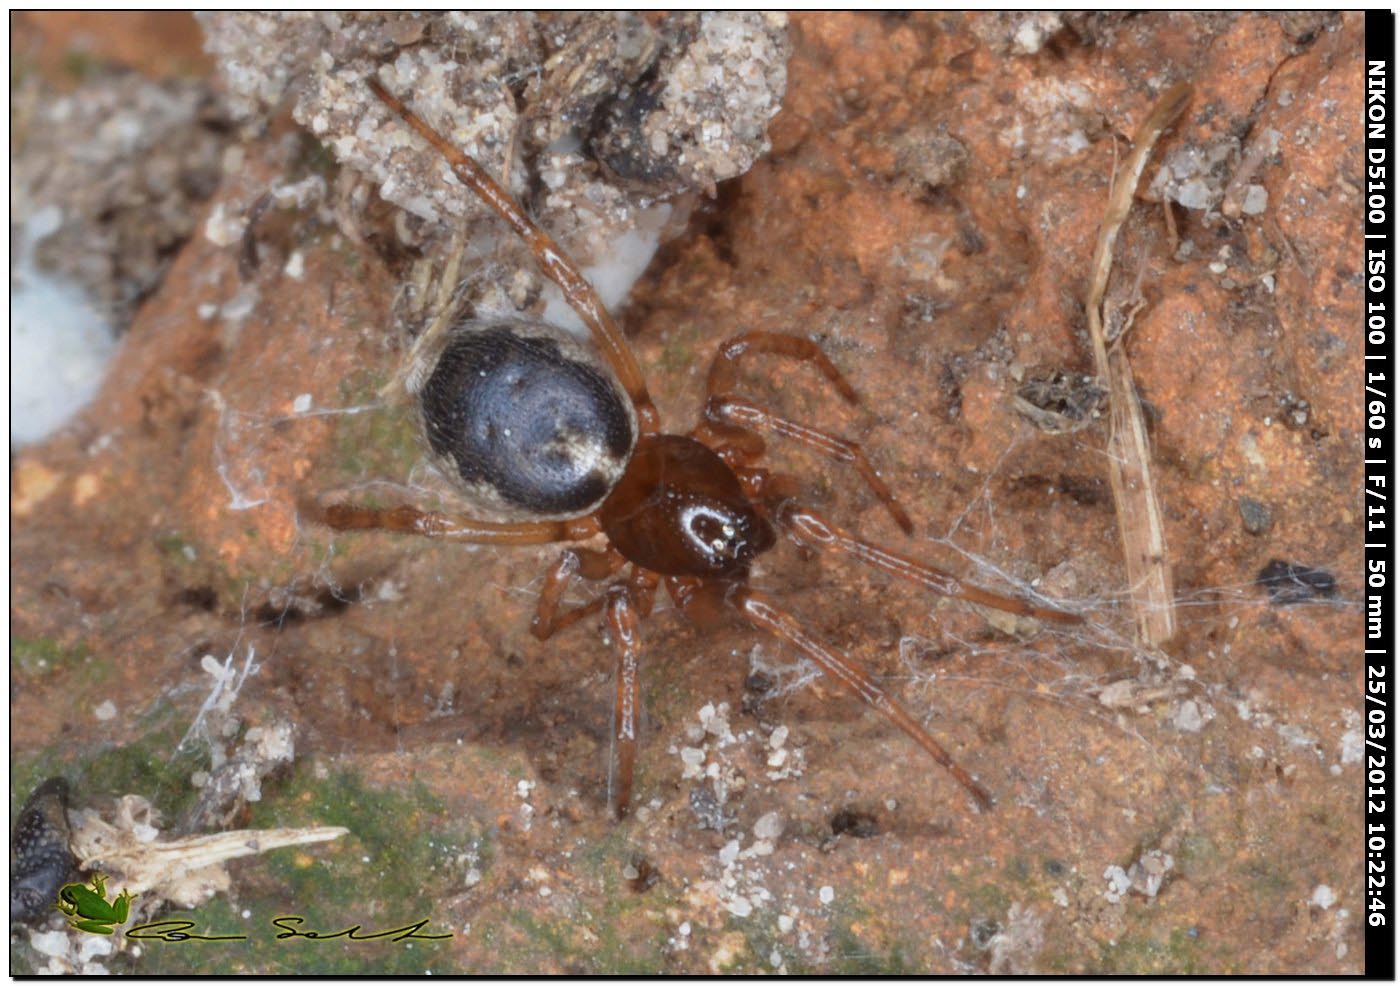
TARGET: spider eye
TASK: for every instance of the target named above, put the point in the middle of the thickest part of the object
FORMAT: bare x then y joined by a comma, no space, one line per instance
714,534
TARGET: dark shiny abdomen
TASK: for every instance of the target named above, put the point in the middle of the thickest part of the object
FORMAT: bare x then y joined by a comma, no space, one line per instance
546,432
679,510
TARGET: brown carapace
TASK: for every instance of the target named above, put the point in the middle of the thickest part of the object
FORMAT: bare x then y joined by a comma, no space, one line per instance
687,512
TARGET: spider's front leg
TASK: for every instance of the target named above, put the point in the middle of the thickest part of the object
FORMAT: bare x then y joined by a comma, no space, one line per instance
810,529
736,421
744,415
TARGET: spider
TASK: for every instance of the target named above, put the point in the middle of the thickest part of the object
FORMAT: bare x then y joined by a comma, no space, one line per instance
567,442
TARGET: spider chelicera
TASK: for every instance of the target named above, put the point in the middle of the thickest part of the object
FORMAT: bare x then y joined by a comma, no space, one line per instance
566,443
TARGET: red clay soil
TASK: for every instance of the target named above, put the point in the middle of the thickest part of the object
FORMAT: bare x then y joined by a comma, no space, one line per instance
927,213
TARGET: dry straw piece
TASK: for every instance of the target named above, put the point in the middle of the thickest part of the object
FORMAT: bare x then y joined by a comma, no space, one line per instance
1129,456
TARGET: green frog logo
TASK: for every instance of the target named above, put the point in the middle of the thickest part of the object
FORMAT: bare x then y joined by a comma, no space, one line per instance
89,910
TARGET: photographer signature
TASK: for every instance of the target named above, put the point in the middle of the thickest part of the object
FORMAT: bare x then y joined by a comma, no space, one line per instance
178,930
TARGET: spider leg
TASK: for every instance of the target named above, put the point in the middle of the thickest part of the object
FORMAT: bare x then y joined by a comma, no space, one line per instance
767,488
450,527
625,623
551,259
627,603
811,529
642,588
701,600
724,371
759,610
592,565
724,377
745,415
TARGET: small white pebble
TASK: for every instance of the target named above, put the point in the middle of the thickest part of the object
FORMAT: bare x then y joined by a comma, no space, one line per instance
247,914
545,891
778,738
785,923
730,852
740,907
1256,200
54,943
1188,717
684,929
777,758
692,756
207,310
296,266
223,230
768,826
827,895
775,958
107,710
473,877
1323,896
301,404
92,946
1118,883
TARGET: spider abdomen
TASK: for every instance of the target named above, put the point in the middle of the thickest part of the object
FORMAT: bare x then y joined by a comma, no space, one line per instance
531,422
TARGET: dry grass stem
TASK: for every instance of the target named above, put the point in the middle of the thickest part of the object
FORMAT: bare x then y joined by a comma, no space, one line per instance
1129,454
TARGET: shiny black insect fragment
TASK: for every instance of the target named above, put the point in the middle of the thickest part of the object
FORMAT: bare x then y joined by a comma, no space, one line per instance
40,860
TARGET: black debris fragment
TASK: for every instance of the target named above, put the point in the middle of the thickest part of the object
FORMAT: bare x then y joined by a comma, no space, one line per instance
40,859
1288,583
